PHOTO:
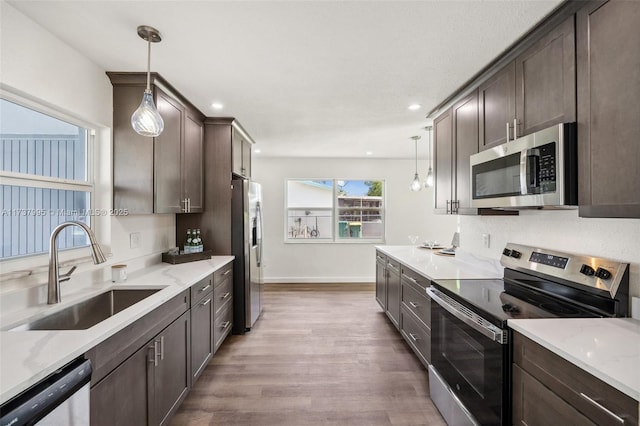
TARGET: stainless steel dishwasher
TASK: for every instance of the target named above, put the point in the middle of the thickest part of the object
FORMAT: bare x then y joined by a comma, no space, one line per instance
60,399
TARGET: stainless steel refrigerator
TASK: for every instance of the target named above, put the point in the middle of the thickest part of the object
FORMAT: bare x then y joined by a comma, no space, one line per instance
246,223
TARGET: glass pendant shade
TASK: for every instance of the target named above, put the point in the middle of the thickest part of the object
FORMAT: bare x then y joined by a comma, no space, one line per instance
428,182
416,185
146,120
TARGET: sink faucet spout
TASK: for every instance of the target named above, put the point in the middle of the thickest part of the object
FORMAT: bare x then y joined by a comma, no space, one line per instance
55,278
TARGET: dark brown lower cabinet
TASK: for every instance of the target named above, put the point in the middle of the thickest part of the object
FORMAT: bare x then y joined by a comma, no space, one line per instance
381,280
222,325
548,389
416,313
393,292
121,397
201,334
171,376
150,385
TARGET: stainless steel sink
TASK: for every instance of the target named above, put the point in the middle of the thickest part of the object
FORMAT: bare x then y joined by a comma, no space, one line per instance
90,312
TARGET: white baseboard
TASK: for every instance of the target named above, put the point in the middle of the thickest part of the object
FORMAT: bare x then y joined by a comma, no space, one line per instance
305,280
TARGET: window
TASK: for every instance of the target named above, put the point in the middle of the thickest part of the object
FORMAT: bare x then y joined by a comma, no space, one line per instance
46,180
335,210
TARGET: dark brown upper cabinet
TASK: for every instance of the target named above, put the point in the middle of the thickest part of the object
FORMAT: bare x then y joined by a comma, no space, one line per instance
456,139
241,153
608,36
535,91
162,174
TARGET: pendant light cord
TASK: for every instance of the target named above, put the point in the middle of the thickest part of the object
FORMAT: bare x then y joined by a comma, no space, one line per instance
416,141
149,64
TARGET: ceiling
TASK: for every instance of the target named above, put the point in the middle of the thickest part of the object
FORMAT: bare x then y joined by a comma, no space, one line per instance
305,78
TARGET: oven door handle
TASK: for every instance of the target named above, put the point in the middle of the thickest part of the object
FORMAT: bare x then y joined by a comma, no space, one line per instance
470,318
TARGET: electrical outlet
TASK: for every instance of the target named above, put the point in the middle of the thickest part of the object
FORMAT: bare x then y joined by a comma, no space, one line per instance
134,240
486,240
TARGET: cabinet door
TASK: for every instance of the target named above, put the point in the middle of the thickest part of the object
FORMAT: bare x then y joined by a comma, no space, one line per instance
496,108
608,109
121,397
246,159
545,81
166,150
443,151
192,163
171,375
381,281
465,136
201,335
535,404
393,293
236,151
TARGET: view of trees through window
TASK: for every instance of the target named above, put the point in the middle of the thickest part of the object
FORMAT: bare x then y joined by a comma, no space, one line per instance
331,210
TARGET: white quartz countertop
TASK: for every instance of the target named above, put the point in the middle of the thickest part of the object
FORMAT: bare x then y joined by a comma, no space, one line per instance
427,262
26,357
608,348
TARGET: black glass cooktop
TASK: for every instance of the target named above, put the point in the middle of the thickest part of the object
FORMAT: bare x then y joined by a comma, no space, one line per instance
499,301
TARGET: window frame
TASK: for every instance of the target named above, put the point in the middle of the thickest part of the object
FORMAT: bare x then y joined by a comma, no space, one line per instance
10,178
335,211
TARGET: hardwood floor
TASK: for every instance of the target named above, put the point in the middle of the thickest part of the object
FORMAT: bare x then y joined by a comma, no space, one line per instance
321,354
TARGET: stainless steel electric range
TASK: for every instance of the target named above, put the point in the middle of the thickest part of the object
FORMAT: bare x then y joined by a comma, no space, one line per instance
470,378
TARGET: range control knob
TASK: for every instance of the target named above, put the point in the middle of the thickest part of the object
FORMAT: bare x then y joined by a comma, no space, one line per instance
506,252
587,270
603,273
516,254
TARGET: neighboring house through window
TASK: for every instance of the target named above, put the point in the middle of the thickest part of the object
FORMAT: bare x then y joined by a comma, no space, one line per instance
46,179
332,210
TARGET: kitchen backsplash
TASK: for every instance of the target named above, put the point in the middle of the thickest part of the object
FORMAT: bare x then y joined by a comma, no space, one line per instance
560,230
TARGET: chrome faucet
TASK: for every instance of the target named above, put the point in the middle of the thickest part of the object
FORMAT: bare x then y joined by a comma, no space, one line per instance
55,279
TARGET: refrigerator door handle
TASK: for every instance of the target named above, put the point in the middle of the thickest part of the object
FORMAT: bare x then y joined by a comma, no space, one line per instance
259,216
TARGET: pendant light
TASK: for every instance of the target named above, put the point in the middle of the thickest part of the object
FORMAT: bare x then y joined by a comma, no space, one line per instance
428,182
146,120
416,185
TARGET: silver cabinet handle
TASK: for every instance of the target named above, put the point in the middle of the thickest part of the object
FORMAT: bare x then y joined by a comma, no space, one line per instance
413,305
515,128
413,280
227,272
161,348
601,407
155,353
205,287
225,324
189,204
390,265
206,302
448,211
468,317
224,296
413,337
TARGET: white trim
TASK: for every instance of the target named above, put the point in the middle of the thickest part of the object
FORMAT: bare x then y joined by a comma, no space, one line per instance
319,280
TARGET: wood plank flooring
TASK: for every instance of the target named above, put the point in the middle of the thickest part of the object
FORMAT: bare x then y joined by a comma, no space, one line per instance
322,354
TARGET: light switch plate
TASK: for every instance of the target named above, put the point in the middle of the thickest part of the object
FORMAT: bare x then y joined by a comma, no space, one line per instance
635,307
134,240
486,240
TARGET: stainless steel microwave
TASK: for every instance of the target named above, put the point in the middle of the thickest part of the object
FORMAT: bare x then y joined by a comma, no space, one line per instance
534,171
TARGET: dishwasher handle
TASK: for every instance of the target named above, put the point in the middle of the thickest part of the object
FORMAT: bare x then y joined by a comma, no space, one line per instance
42,398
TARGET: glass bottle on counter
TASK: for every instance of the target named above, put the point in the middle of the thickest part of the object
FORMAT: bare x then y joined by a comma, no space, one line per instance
188,243
199,241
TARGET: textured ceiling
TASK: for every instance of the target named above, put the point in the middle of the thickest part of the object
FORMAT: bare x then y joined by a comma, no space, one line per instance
305,78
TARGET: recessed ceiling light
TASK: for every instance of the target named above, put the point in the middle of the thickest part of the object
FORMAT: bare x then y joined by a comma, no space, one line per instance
257,151
369,153
217,105
414,107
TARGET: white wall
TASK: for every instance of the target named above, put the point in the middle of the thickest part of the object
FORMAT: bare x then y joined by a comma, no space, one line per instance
559,230
42,69
408,213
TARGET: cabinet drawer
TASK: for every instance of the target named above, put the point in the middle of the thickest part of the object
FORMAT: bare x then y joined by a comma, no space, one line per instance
201,289
421,283
223,273
416,301
222,325
417,336
222,295
592,397
380,257
393,265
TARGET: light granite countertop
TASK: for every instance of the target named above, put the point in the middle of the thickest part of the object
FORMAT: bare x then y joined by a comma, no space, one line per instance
463,265
607,348
26,357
